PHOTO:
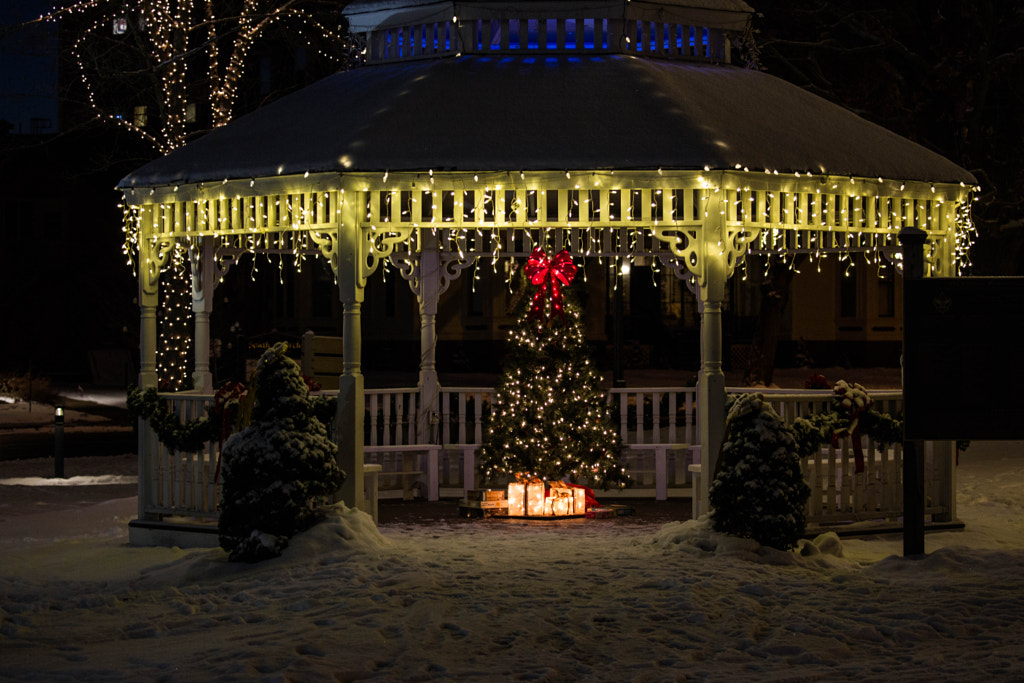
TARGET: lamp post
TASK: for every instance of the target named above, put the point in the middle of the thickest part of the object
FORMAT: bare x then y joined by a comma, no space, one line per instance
58,442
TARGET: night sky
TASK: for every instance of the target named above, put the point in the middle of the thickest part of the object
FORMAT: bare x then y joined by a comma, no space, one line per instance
28,67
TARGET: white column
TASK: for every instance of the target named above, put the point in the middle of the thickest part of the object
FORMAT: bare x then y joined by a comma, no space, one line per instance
711,380
350,413
710,397
148,303
429,292
203,285
149,300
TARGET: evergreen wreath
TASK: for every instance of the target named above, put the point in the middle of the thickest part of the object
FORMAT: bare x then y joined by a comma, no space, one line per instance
851,415
178,436
230,411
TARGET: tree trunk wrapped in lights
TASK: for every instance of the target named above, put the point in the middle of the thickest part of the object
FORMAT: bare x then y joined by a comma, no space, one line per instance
551,419
174,350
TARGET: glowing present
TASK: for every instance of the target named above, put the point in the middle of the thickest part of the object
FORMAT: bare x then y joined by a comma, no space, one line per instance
536,498
517,499
579,501
535,490
561,505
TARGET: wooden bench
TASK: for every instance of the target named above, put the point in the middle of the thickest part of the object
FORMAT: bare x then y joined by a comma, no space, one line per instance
410,472
660,470
323,359
371,480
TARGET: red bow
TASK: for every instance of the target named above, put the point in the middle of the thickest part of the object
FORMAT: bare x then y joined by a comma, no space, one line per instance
561,270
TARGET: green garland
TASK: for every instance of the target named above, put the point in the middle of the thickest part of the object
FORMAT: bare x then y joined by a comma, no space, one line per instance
192,437
189,437
813,432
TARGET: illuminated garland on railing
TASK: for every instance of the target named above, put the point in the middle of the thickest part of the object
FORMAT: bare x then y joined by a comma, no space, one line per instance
474,222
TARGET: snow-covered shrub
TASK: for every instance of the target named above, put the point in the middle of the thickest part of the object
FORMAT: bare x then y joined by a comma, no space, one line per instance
758,491
279,468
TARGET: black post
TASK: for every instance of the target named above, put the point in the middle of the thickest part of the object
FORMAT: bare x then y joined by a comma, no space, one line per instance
618,379
58,442
912,241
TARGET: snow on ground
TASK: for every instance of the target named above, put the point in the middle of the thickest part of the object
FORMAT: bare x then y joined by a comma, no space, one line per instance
79,480
499,599
80,413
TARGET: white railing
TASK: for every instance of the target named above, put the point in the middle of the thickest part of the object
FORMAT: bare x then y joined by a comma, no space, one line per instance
178,484
655,415
391,417
840,494
658,427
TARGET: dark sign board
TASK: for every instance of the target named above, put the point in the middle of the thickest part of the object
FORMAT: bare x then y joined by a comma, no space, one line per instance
963,358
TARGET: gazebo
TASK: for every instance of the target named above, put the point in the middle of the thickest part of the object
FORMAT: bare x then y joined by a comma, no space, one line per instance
616,130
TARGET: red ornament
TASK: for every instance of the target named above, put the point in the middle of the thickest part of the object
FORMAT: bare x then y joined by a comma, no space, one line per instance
550,275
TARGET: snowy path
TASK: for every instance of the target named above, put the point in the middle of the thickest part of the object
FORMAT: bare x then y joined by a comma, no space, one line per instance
502,600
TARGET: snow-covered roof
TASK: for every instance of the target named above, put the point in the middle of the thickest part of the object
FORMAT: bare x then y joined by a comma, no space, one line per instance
478,113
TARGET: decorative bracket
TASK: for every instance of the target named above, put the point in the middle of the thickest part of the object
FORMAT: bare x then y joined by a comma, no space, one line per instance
683,245
378,244
156,253
410,268
195,258
223,259
327,243
737,242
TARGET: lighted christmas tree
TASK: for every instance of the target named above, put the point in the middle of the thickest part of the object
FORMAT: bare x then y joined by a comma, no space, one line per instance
278,469
550,418
759,491
174,347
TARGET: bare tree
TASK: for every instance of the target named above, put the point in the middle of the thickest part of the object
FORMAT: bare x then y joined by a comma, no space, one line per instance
170,69
166,69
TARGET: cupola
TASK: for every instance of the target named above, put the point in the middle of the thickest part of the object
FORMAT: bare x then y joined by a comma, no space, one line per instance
694,30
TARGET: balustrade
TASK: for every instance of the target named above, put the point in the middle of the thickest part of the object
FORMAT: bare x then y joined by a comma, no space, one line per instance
657,426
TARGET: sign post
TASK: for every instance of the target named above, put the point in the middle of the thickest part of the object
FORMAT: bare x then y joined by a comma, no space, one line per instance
912,239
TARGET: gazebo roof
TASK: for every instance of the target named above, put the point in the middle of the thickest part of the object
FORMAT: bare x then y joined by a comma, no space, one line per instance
557,112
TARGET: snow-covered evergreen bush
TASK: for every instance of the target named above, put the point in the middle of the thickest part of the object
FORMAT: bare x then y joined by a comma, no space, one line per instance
759,491
279,468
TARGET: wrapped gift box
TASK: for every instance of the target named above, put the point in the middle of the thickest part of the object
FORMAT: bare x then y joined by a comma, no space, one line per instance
517,499
535,495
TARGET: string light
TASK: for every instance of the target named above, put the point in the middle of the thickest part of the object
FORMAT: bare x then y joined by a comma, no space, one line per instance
476,219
